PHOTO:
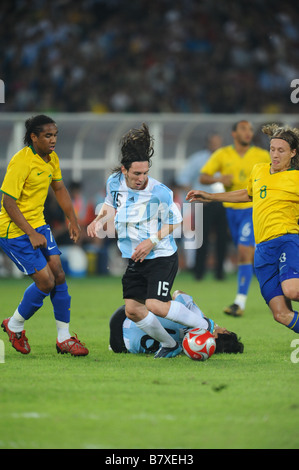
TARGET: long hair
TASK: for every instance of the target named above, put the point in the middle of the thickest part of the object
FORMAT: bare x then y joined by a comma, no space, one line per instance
136,146
34,125
229,343
289,134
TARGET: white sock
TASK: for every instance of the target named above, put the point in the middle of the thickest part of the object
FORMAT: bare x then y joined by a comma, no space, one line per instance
188,301
241,300
62,331
181,314
16,323
151,326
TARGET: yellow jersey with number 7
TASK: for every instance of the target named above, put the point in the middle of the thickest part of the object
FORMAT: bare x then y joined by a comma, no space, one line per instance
275,200
27,180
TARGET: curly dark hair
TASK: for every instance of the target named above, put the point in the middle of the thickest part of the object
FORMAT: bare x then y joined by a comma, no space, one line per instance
136,146
34,125
229,343
289,134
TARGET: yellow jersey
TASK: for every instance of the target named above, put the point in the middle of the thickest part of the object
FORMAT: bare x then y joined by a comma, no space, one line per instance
27,180
227,161
275,202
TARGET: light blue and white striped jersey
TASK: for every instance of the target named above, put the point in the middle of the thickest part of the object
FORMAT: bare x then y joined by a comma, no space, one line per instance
141,214
137,341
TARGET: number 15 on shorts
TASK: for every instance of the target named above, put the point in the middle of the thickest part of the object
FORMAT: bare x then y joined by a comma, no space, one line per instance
163,288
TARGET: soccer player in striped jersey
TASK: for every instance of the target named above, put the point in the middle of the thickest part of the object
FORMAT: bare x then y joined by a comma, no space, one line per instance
144,218
27,239
274,190
234,164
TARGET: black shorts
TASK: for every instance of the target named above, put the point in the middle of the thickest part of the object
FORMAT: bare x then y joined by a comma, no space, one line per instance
151,279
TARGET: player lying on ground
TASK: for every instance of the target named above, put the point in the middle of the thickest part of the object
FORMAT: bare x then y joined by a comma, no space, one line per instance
125,336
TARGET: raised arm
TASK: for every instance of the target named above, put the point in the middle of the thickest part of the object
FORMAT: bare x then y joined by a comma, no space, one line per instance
241,195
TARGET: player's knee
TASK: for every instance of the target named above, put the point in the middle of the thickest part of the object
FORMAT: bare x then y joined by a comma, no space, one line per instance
158,307
57,270
133,314
291,292
60,277
46,284
152,305
245,254
129,314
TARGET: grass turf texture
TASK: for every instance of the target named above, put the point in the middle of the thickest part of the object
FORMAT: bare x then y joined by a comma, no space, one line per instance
122,401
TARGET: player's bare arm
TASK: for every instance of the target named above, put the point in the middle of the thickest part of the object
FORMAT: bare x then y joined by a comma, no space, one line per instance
241,195
103,218
144,248
226,180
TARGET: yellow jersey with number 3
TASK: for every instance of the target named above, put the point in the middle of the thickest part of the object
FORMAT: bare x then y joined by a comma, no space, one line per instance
27,180
227,161
275,200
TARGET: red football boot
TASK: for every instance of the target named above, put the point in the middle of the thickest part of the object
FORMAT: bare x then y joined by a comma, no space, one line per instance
18,340
72,346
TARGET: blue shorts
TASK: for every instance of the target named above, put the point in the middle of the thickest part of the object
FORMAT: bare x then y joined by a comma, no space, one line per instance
276,261
21,252
241,226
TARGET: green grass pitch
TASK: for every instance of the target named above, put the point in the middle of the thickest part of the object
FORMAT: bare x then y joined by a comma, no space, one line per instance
122,401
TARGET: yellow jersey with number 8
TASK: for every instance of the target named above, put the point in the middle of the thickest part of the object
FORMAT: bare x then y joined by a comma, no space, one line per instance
275,200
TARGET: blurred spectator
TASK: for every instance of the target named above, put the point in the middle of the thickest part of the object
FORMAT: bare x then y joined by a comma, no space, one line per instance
214,218
178,233
95,248
166,56
80,206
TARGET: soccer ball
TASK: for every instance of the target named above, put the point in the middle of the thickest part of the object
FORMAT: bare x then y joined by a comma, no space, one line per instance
199,344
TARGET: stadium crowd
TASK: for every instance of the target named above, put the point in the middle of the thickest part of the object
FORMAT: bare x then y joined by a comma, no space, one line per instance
186,56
